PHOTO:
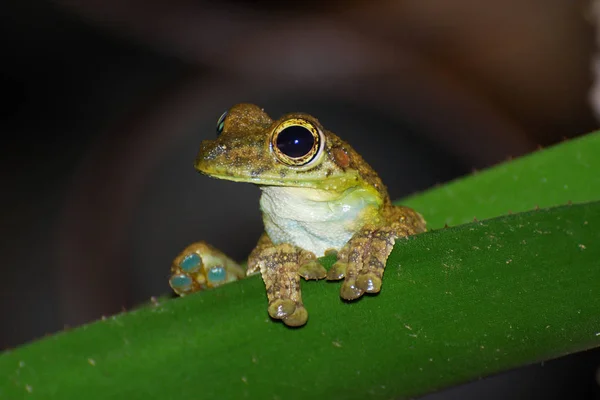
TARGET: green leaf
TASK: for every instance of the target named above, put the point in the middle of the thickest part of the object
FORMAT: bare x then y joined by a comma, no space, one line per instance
557,175
457,304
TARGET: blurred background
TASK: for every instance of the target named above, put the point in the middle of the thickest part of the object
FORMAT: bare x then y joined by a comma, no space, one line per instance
106,102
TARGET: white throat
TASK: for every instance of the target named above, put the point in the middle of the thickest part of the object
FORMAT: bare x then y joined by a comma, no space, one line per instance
313,219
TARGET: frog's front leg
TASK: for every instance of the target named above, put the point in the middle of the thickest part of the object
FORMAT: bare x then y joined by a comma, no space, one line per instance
280,266
361,262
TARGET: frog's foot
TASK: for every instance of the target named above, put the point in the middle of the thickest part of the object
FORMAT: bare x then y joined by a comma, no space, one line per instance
291,313
279,266
186,273
200,266
283,292
364,256
362,278
312,270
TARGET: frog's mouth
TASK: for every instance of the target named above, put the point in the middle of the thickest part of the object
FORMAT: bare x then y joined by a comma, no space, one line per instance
332,184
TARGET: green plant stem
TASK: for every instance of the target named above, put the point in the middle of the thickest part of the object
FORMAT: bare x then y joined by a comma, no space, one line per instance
457,304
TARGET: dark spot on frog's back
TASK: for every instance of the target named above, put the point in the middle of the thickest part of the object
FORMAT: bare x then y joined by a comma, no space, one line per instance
329,172
283,173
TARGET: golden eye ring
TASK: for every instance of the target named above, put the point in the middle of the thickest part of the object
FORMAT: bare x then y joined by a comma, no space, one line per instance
297,142
221,122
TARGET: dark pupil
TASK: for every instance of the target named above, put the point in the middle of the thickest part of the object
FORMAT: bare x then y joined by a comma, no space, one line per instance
295,141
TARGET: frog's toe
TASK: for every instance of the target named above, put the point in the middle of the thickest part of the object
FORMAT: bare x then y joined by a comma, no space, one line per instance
350,291
337,271
190,263
182,284
298,317
369,283
282,308
290,312
312,270
186,274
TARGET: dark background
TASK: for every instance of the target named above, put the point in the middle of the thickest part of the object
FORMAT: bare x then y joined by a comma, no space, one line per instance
106,102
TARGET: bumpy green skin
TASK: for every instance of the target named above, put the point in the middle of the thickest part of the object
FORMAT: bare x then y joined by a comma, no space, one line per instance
334,203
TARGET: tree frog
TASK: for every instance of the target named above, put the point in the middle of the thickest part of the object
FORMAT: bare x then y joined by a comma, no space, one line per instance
318,197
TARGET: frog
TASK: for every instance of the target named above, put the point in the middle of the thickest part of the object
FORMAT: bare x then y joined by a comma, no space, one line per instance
318,197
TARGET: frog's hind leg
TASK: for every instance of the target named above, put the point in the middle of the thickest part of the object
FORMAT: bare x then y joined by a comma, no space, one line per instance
362,260
200,266
279,266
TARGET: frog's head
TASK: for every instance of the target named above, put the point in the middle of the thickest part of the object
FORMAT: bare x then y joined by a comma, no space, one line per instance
293,151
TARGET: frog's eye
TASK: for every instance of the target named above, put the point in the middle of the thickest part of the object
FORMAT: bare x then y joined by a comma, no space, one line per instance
296,141
221,123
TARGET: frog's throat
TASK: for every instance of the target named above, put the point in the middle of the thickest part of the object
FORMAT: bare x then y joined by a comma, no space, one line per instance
317,220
